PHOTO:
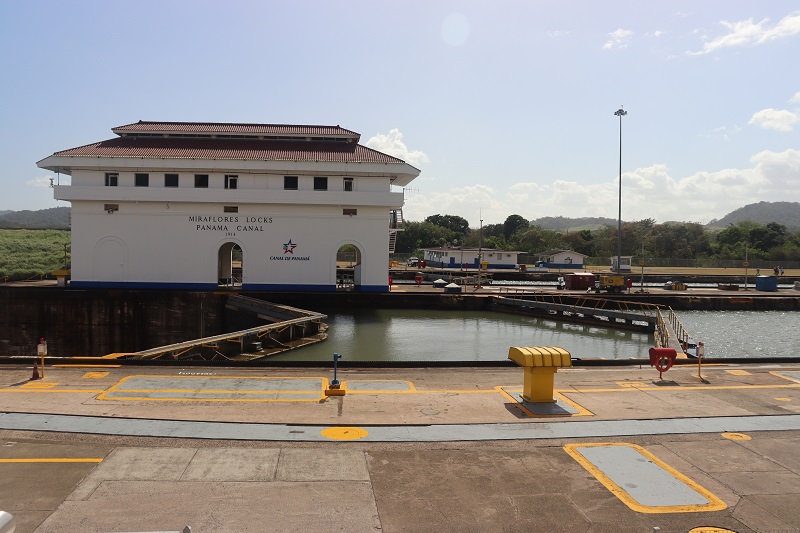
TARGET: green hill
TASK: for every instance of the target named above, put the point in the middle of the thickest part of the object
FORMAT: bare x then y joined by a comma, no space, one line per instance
573,224
784,213
53,218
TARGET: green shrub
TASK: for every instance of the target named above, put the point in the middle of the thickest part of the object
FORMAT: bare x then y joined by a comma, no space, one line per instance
32,254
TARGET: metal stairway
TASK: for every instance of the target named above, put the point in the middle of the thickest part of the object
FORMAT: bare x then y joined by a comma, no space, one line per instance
395,225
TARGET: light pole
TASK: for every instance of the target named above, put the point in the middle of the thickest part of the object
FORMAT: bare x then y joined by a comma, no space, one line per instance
480,250
620,113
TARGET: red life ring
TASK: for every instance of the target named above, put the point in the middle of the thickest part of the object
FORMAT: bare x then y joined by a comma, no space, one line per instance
664,363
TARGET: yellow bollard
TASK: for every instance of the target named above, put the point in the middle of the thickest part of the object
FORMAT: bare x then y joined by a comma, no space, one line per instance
539,365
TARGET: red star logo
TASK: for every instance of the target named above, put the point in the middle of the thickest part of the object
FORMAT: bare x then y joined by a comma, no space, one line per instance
289,247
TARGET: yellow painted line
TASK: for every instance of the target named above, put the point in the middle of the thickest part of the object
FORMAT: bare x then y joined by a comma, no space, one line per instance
39,385
411,386
710,529
458,391
54,460
739,372
778,374
631,384
714,503
95,375
582,411
417,391
221,391
78,365
315,399
784,399
104,395
689,388
344,433
48,391
736,436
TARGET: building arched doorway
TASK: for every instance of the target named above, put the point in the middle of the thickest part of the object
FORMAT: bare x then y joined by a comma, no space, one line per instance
230,266
348,267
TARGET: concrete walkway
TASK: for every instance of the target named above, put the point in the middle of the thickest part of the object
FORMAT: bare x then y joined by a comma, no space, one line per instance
409,433
221,449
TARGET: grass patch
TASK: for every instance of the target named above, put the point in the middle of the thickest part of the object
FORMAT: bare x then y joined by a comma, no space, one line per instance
31,253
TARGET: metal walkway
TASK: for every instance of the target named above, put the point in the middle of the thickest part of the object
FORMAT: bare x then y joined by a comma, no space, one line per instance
279,318
137,427
610,312
670,332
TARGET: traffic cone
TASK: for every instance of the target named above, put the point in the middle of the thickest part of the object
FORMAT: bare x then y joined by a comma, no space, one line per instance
35,371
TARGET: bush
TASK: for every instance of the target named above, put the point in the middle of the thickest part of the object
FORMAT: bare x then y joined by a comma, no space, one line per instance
32,254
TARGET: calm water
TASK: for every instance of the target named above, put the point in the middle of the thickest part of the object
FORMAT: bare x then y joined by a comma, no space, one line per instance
745,333
432,335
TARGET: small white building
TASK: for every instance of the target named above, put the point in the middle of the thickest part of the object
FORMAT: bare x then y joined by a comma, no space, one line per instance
470,258
179,204
624,263
561,259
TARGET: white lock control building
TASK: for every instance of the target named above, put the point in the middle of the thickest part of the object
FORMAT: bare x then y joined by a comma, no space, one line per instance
195,205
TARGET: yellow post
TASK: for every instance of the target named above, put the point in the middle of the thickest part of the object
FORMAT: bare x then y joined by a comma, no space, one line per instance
41,350
539,384
701,351
539,367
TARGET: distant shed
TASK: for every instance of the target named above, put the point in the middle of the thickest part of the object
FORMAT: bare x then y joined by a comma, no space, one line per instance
579,280
561,259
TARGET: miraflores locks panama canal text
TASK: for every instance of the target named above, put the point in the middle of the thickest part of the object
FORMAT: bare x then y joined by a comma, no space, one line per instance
225,223
232,224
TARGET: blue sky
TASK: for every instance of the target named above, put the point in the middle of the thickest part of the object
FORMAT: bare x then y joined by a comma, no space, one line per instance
507,107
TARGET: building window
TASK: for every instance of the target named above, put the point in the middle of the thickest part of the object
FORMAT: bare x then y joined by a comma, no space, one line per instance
201,181
347,184
350,212
110,208
231,181
142,180
290,183
231,209
320,183
170,180
112,178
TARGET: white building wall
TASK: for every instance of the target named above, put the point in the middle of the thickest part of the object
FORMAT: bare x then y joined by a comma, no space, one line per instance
152,244
171,237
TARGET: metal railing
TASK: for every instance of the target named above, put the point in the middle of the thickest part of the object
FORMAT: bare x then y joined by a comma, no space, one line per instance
664,327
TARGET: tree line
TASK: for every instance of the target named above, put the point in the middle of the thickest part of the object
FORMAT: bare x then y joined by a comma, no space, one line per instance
684,240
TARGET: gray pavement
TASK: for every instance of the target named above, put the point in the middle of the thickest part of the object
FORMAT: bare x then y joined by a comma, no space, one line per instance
144,449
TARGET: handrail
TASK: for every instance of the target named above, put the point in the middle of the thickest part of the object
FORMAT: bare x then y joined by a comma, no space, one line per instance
663,330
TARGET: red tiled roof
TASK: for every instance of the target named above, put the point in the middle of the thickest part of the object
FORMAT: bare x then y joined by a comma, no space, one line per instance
241,149
235,129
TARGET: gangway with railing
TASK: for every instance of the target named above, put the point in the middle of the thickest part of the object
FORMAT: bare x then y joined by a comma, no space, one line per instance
285,328
609,312
668,330
670,333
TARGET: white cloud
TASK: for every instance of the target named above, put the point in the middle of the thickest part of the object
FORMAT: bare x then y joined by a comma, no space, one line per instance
619,39
392,144
795,99
41,181
725,132
749,33
649,192
775,119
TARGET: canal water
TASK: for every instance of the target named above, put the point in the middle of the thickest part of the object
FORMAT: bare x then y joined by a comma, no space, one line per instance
434,335
753,334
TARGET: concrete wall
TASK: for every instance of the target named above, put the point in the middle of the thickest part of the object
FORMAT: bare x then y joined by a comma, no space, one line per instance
170,237
155,245
93,323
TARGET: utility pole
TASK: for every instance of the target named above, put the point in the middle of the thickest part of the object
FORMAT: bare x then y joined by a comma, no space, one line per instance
620,113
